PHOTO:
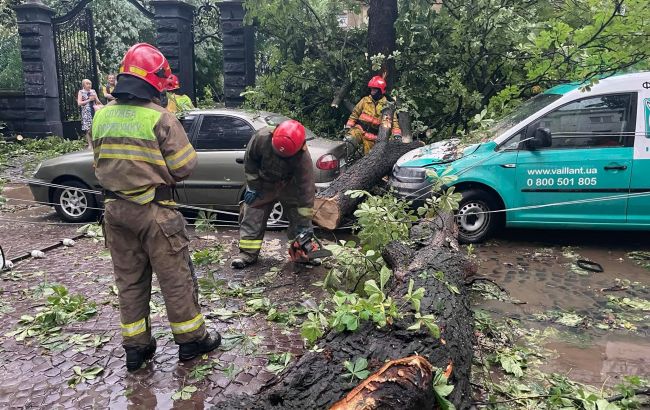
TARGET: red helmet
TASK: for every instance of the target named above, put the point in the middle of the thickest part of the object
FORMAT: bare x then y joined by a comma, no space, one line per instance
146,62
378,82
288,138
172,83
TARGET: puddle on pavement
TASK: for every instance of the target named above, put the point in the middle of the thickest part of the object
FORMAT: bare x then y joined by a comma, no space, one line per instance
606,360
547,286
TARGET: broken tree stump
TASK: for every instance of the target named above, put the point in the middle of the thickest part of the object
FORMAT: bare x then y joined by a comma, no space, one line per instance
332,204
409,378
316,380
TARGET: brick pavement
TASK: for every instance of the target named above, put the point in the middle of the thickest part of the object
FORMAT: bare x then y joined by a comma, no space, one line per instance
32,376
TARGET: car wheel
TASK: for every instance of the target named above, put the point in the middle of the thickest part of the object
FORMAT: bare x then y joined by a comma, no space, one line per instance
474,220
276,218
74,205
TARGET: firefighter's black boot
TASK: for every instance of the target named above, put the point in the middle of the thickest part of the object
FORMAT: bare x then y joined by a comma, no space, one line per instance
242,260
188,351
136,356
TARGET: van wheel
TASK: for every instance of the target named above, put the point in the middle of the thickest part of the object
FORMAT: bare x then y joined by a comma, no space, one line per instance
475,223
74,205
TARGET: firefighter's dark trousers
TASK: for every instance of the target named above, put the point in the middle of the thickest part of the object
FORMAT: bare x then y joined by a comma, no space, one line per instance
142,239
253,217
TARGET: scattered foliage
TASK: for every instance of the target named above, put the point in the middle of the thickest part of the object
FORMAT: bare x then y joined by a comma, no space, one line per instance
208,256
83,375
205,221
200,371
350,266
278,362
247,344
442,389
61,309
381,219
357,370
185,393
444,199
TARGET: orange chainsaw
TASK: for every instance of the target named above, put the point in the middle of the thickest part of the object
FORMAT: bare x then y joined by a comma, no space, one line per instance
306,247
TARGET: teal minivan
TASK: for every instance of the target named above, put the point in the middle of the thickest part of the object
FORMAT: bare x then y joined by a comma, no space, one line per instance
567,158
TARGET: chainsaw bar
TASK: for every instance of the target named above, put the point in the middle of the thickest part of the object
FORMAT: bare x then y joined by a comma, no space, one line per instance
321,253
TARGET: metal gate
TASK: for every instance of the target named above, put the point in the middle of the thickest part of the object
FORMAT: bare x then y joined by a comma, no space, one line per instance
76,59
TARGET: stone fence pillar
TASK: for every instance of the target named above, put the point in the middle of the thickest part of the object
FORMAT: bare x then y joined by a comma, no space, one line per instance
173,20
238,52
42,111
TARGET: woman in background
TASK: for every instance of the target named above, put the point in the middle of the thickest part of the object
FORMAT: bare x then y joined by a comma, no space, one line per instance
86,99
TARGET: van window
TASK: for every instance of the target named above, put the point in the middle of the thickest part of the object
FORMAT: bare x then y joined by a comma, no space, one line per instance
593,122
522,112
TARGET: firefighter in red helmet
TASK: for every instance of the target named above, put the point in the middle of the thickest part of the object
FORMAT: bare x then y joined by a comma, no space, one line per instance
278,167
140,152
363,123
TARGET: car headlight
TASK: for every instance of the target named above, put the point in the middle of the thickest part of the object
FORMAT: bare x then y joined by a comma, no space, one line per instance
38,167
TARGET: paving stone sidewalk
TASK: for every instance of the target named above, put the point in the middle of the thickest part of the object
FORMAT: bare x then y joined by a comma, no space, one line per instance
32,375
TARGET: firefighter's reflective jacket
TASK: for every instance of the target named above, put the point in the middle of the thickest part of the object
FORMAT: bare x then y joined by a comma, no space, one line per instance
267,172
366,116
178,102
139,146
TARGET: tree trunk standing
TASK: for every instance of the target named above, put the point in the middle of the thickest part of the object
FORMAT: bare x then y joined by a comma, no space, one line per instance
382,15
316,380
332,204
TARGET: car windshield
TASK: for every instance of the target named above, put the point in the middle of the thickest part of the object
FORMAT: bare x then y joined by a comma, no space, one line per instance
275,119
524,111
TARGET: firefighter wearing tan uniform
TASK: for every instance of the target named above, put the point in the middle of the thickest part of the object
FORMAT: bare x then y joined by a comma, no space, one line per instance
141,151
363,123
278,167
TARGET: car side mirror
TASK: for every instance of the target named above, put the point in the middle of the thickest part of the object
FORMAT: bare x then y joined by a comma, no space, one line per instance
541,139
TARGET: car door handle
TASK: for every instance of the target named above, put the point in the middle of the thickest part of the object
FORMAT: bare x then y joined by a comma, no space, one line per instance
239,160
615,167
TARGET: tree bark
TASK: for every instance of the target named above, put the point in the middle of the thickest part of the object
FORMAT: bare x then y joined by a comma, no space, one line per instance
332,204
340,94
316,380
404,120
382,15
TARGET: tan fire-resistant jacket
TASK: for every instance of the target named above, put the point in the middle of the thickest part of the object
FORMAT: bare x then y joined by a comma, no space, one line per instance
139,146
367,117
265,170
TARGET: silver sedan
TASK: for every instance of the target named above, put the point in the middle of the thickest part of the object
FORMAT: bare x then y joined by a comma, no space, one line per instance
219,136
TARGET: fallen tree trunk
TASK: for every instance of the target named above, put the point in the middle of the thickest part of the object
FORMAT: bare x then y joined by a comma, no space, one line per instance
316,380
332,204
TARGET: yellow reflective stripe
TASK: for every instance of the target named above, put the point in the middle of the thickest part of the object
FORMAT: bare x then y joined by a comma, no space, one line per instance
180,158
187,159
188,326
250,243
143,198
173,157
132,157
133,329
308,212
190,156
136,190
129,147
168,203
